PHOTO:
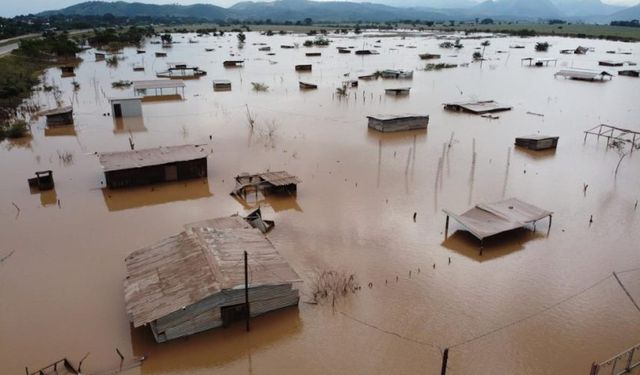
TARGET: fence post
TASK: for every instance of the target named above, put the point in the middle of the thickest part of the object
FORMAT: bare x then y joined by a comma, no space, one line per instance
594,369
445,358
628,366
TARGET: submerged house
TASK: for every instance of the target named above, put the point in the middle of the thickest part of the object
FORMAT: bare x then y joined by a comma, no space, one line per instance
126,107
398,91
271,182
584,74
394,123
232,63
195,281
181,71
629,73
303,68
221,85
68,71
489,219
537,142
59,116
154,165
478,107
158,87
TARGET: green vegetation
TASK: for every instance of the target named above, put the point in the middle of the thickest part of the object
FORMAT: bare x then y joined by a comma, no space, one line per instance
260,87
13,129
113,39
18,75
318,41
542,46
49,47
241,37
623,32
121,84
477,56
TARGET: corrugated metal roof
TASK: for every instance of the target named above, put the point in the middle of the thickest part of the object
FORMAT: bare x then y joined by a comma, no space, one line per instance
158,84
205,259
112,161
280,178
482,106
57,111
488,219
397,117
582,74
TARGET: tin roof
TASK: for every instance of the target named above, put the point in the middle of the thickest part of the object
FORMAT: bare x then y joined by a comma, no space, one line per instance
488,219
205,259
57,111
112,161
158,84
387,117
280,178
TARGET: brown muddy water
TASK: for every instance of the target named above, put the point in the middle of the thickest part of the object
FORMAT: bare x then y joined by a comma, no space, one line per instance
532,304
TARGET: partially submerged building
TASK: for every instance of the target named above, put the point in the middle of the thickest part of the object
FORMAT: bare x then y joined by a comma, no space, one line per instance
477,107
489,219
269,182
629,73
126,107
610,63
195,281
398,91
181,71
584,74
303,68
154,165
68,71
538,62
394,123
59,116
158,87
232,63
42,181
537,142
221,85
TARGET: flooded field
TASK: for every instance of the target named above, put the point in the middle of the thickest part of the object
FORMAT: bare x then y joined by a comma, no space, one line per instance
533,303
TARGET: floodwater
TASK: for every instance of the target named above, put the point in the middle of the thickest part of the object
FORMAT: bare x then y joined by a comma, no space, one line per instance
533,303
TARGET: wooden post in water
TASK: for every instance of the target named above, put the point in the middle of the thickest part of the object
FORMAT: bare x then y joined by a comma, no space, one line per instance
445,359
246,289
446,228
594,369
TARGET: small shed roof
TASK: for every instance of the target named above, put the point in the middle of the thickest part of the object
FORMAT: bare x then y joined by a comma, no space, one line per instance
205,259
123,98
481,106
112,161
387,117
280,178
221,82
57,111
488,219
582,74
158,84
537,137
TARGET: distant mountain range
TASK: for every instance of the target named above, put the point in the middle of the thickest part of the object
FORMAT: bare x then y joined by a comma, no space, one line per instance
344,11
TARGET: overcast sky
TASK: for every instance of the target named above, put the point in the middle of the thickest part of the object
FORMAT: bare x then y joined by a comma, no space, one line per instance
11,8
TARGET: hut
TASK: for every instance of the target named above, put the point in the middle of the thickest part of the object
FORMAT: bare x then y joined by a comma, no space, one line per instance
363,52
213,273
397,74
154,165
584,74
100,56
267,182
140,51
478,107
538,62
158,87
42,181
489,219
181,71
264,49
161,54
429,56
629,73
394,123
303,68
307,86
368,77
398,91
68,71
59,116
138,68
233,63
581,50
344,50
221,85
566,52
313,54
287,46
126,107
610,63
537,142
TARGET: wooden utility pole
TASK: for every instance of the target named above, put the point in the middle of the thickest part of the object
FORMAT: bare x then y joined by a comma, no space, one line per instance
445,358
246,289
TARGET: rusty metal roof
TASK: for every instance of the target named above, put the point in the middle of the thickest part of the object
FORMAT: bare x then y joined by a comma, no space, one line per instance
488,219
205,259
280,178
112,161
